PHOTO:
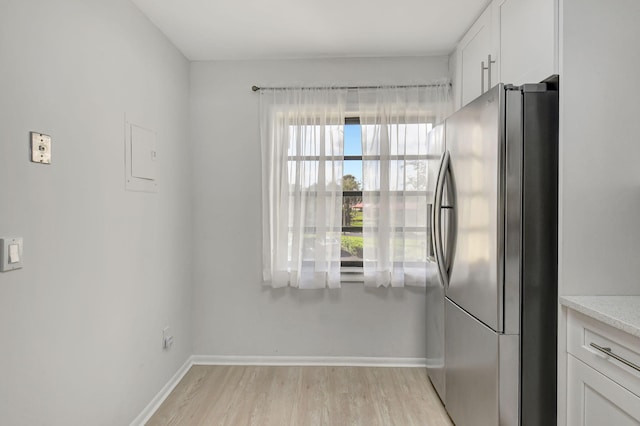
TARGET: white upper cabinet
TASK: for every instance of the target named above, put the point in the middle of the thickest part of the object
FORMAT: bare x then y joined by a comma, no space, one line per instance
513,41
528,34
474,52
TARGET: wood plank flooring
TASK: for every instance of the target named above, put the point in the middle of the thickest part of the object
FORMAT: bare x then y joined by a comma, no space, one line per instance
305,396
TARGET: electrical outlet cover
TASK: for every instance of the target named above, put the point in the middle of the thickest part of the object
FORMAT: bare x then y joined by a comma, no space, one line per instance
40,148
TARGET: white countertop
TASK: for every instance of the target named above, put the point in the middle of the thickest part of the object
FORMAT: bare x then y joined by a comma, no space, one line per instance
622,312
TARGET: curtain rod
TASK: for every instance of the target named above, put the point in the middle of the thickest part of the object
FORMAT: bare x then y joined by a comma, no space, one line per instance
258,88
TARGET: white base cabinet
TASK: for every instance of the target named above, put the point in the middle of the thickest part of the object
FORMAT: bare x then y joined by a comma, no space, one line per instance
603,375
595,400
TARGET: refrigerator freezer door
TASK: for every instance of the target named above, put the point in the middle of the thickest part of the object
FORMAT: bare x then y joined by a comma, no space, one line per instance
475,141
472,370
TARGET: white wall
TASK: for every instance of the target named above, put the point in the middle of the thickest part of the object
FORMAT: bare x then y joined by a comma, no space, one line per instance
105,269
233,313
600,149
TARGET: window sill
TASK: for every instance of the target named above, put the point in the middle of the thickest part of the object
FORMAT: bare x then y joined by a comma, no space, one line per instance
351,274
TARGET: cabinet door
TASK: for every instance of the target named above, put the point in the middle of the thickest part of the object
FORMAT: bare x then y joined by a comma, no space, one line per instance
595,400
528,50
474,49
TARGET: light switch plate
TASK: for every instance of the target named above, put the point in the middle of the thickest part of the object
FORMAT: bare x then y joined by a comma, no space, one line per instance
5,243
40,148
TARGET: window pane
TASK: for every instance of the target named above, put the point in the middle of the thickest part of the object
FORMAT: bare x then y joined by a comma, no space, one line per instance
410,139
352,168
392,205
415,211
397,137
311,244
403,175
371,175
352,211
304,175
314,140
403,139
415,175
415,247
351,247
393,179
401,211
371,139
352,140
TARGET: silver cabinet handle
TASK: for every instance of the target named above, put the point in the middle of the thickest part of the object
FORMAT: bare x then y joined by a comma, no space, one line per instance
607,351
482,69
489,62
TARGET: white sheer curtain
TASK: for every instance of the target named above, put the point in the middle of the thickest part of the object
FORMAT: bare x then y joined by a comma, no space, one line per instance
302,164
395,123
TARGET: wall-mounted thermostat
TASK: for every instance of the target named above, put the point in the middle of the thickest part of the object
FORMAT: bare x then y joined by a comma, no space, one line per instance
40,148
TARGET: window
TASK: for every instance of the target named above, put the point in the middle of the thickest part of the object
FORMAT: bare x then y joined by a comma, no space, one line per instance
346,192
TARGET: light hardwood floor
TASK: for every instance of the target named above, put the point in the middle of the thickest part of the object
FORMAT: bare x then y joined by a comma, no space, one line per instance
250,395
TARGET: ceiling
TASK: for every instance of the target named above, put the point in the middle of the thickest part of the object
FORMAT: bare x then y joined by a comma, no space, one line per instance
276,29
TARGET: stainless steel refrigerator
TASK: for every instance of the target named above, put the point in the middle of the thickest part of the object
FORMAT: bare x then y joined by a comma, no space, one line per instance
492,312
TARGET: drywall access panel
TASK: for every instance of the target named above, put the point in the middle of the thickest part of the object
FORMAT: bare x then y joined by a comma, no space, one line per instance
140,158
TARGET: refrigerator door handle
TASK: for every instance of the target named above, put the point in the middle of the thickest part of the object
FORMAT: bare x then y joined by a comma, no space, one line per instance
452,232
436,219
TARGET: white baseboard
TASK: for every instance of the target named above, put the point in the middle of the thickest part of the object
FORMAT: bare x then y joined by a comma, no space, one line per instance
155,403
346,361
